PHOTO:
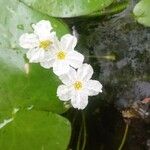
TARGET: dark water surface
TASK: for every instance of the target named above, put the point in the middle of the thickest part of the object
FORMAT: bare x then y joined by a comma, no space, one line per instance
119,50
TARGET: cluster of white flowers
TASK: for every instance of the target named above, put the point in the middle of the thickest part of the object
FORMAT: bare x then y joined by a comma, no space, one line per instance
45,48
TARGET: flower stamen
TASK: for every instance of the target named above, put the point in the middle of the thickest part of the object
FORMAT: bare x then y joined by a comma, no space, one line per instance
45,44
61,55
78,85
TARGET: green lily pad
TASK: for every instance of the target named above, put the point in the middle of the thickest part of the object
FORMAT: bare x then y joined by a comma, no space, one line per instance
26,85
23,84
34,130
114,8
142,12
16,19
67,8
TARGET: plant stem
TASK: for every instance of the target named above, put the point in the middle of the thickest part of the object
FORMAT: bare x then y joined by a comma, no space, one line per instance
84,132
124,137
106,57
79,138
73,126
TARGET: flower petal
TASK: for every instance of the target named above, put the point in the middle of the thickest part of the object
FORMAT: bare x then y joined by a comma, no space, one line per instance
69,78
48,55
35,55
28,41
79,100
42,25
68,42
85,72
48,59
42,29
64,93
57,44
47,64
61,67
47,36
94,87
75,59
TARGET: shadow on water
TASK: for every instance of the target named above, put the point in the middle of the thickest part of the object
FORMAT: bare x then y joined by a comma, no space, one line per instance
118,48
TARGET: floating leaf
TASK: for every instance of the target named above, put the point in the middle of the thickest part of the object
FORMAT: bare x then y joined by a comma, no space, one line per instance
23,84
142,12
67,8
20,87
16,19
34,130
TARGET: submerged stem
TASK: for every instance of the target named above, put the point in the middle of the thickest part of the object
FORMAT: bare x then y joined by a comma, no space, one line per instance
84,132
79,138
124,137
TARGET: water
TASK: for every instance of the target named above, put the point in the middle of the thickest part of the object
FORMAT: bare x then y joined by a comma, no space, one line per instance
119,50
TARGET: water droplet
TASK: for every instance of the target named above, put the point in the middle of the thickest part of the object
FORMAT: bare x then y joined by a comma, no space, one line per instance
15,110
5,122
20,26
30,107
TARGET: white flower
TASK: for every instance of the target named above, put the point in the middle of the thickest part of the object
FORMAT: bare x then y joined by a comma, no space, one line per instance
40,42
77,86
64,56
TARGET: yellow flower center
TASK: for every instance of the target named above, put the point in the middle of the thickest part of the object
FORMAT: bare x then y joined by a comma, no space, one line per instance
61,55
45,44
77,85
